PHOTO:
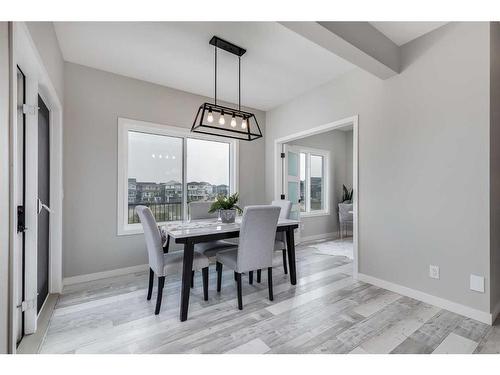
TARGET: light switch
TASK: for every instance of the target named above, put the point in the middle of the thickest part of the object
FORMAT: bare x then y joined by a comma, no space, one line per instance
477,283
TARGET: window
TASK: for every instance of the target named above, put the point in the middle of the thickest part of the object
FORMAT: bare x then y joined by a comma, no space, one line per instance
313,179
165,168
154,176
208,164
317,191
302,173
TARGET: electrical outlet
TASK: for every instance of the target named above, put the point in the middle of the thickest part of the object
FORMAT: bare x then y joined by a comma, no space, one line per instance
433,272
477,283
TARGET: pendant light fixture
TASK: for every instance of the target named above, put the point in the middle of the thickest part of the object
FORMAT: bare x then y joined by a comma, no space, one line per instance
210,118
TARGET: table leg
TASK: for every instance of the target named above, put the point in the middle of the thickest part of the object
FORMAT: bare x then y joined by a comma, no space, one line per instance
165,248
187,267
290,244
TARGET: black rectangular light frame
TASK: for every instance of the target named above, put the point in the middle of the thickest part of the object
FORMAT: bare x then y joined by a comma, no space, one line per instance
224,130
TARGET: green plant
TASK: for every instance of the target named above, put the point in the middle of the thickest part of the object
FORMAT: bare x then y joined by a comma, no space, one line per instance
347,194
226,203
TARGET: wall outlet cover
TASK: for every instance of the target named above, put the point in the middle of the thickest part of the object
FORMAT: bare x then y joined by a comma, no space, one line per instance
477,283
433,272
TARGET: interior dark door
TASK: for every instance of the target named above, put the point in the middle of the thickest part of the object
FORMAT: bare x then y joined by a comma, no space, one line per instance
43,202
21,203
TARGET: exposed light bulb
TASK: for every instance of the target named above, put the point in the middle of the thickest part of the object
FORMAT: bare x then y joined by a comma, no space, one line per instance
244,123
233,122
173,157
153,156
222,120
210,116
160,156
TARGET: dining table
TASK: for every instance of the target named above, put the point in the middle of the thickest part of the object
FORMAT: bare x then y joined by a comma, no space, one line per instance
192,232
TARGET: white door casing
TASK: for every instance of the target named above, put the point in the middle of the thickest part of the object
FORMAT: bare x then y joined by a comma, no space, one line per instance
291,183
26,56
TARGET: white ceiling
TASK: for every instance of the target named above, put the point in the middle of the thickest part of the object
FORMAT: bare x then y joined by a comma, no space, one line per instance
404,32
278,66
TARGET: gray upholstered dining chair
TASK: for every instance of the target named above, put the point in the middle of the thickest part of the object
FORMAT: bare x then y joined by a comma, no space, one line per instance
345,217
255,247
280,242
161,264
199,210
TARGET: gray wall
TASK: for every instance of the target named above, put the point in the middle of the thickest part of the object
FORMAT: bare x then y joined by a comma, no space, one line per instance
335,141
4,186
423,160
45,39
495,164
93,101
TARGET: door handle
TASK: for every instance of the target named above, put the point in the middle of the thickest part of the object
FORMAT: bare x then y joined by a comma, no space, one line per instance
41,206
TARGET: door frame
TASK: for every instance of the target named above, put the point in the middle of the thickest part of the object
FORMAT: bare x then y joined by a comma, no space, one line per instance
25,55
354,121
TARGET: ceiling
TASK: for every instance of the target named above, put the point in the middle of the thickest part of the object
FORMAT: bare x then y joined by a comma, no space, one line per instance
278,66
404,32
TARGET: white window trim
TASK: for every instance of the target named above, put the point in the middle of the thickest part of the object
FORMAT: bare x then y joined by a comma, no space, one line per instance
124,126
326,181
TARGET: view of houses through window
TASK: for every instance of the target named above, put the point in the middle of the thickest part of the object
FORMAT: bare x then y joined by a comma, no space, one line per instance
155,173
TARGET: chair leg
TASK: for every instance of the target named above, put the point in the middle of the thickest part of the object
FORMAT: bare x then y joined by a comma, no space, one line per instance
161,283
285,268
218,267
258,275
151,280
250,277
192,279
204,273
270,282
235,277
240,298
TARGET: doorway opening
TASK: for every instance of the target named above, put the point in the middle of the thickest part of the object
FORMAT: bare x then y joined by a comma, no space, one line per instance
317,170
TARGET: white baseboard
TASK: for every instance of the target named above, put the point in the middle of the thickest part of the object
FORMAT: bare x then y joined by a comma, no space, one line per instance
457,308
104,275
317,237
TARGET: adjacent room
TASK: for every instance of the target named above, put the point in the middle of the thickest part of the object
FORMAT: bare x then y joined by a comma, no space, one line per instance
251,187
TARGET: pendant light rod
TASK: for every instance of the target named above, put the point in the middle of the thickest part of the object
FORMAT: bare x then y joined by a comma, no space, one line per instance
215,96
239,83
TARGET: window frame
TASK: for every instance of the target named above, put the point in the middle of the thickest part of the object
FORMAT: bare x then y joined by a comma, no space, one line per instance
325,154
124,126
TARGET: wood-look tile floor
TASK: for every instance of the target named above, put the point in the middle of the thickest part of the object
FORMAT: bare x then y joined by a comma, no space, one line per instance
326,312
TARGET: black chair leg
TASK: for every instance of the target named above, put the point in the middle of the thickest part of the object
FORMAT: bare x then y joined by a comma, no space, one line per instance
219,275
250,277
204,273
192,279
161,283
259,272
235,277
285,268
240,298
270,282
151,280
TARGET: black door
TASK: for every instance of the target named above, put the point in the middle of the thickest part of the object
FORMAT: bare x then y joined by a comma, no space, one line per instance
21,203
43,203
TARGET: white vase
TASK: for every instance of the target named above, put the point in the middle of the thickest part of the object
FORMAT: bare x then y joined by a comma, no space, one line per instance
228,216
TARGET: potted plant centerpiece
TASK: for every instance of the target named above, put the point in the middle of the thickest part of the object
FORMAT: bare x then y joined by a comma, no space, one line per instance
227,207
